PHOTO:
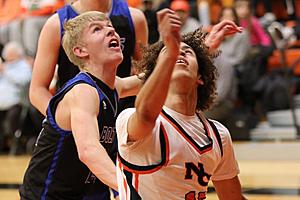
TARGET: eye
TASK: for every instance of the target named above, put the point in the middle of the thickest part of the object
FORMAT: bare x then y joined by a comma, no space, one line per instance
96,29
188,51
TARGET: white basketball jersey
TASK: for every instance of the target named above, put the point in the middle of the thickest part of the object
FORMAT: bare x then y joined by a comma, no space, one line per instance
176,161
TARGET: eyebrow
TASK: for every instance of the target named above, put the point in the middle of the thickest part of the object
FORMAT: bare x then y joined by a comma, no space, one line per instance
94,23
185,47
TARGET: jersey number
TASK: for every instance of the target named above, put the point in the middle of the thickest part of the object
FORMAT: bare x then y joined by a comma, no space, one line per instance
192,196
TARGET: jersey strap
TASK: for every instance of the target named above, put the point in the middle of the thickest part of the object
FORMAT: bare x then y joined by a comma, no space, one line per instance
65,13
80,78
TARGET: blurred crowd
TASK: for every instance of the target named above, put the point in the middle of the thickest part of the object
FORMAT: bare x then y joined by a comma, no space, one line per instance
246,85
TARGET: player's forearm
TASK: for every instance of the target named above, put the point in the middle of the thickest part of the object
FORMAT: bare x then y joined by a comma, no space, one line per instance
39,98
97,160
152,96
129,86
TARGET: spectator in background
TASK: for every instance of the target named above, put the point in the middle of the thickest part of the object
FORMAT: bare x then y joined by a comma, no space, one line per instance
150,15
259,39
182,9
257,59
251,23
233,49
15,75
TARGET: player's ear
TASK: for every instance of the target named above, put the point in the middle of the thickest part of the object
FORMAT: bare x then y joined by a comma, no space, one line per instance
200,81
80,51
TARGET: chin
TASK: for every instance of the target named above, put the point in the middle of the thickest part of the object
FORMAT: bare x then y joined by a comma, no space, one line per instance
118,59
185,75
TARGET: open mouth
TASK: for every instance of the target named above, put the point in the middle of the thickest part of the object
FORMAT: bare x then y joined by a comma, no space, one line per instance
182,60
114,43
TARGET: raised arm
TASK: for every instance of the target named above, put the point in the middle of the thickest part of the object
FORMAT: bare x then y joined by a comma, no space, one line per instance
152,96
44,64
83,103
129,86
141,31
219,31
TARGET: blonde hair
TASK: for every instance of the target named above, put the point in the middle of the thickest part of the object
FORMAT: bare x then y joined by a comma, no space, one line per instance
73,33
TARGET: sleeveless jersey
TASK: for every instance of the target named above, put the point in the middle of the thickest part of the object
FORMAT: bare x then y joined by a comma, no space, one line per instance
55,171
176,161
123,24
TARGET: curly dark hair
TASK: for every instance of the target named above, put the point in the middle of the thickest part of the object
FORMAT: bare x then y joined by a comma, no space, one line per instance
207,70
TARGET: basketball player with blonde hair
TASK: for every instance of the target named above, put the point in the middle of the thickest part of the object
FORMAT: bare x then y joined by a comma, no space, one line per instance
75,152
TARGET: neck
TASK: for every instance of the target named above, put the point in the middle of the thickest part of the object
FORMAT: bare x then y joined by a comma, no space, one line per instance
182,103
105,74
82,6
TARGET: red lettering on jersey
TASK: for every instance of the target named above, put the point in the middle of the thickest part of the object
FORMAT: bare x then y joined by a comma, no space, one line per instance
190,195
201,195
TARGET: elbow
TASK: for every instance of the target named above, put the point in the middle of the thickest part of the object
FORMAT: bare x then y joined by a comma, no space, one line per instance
31,95
121,93
146,114
85,154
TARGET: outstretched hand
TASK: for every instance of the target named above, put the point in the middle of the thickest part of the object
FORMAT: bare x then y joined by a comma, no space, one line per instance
169,28
218,33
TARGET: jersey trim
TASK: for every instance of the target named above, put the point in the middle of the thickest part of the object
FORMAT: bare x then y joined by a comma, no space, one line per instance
164,145
80,78
188,138
133,186
53,166
217,134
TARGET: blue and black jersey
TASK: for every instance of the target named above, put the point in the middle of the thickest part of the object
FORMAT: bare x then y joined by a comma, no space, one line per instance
55,171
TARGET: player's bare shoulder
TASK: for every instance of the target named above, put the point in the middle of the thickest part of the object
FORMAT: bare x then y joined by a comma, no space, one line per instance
137,16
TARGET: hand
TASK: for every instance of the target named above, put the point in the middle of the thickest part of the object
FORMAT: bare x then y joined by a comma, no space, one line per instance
219,31
169,25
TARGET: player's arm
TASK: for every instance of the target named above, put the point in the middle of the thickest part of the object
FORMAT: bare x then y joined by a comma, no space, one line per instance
83,102
129,86
229,189
219,31
152,96
225,177
141,31
44,64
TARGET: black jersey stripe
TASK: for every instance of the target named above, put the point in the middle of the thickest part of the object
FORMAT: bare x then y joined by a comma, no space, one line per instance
134,195
188,137
164,146
217,134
